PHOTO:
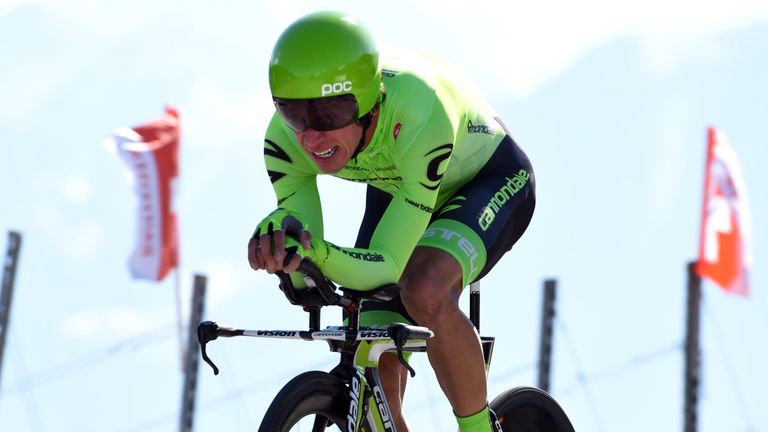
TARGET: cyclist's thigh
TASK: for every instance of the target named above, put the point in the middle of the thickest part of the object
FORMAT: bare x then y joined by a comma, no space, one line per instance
487,216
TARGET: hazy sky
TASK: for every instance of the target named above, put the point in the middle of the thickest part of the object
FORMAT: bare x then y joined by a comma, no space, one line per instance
611,101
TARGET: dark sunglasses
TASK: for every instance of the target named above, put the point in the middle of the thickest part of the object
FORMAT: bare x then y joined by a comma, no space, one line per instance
322,114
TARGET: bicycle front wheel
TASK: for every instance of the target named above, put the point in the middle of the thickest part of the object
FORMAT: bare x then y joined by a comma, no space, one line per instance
528,409
313,401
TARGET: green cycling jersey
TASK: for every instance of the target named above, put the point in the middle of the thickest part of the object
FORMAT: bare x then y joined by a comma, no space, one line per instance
434,133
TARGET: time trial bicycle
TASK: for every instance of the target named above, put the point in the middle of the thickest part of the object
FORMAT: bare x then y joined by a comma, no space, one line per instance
350,397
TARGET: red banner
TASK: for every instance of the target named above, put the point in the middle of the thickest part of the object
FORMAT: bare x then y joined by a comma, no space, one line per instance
151,152
724,253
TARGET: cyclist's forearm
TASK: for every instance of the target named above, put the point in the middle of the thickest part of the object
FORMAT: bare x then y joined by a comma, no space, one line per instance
293,176
357,268
304,204
391,246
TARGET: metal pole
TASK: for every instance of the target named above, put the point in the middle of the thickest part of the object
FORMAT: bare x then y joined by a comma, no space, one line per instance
6,291
192,358
548,312
692,351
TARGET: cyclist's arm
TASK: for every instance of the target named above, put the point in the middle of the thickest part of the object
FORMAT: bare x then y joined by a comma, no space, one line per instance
293,177
422,159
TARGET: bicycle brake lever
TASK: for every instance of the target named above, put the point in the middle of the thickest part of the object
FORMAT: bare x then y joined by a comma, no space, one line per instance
206,332
208,359
399,335
405,363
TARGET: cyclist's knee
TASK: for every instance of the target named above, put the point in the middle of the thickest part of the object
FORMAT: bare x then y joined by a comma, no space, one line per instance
431,286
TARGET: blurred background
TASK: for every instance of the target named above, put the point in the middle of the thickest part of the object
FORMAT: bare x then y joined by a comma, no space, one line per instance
611,101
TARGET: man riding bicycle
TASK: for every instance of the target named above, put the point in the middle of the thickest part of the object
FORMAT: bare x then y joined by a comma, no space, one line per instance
449,191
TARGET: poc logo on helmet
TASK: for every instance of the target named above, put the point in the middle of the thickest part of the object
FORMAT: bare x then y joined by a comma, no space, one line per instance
336,87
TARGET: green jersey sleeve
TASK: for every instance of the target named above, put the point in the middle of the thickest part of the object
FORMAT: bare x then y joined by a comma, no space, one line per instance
293,176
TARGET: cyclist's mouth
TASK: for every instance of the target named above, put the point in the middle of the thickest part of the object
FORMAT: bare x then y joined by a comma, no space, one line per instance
325,154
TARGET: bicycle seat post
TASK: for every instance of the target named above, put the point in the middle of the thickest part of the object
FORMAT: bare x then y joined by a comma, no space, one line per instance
474,304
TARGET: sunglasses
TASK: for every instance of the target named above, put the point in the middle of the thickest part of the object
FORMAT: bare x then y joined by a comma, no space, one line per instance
321,114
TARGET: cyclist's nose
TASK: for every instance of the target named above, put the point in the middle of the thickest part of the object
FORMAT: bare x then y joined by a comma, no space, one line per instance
312,138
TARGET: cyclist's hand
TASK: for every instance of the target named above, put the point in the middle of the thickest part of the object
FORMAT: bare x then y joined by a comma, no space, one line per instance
275,244
277,252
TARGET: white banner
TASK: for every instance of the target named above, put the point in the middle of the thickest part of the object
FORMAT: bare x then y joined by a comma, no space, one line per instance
150,151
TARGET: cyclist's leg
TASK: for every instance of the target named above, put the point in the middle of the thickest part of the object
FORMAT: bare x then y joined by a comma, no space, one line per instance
465,239
392,374
394,377
432,286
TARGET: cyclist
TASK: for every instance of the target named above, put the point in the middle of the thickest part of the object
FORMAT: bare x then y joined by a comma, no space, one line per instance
449,191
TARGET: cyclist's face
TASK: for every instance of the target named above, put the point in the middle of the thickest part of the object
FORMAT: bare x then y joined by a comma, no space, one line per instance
331,150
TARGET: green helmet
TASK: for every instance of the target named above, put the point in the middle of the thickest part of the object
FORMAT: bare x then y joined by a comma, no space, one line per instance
326,54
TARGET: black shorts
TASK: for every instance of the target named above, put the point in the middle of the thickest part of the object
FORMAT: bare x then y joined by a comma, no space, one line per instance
478,224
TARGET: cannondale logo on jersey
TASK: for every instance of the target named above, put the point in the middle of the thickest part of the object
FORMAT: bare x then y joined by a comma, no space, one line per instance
480,128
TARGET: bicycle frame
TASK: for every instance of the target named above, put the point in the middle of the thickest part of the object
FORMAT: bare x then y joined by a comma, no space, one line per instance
360,349
366,367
